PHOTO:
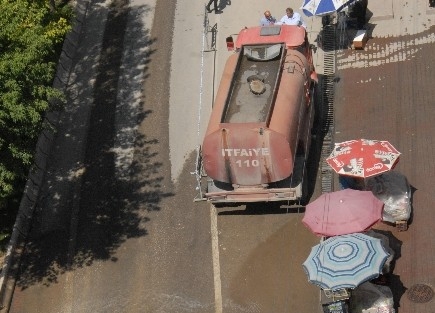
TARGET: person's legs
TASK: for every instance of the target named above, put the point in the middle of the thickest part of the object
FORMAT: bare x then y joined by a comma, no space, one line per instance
361,21
362,15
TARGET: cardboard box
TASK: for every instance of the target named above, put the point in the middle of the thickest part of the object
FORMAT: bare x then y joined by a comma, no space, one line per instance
360,39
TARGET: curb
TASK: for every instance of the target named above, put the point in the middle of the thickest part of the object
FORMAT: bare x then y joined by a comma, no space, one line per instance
38,170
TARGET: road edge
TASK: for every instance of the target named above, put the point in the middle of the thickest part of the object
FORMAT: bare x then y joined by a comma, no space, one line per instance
38,171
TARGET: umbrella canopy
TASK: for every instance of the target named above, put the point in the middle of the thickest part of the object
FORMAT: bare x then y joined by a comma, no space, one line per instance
345,261
363,158
323,7
343,212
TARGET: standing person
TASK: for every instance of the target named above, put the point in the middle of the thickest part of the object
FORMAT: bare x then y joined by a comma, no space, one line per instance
267,19
291,18
216,9
359,9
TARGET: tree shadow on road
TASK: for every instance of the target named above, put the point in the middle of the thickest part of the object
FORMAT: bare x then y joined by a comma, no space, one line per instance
85,212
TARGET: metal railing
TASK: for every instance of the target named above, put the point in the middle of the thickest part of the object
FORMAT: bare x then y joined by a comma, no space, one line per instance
327,88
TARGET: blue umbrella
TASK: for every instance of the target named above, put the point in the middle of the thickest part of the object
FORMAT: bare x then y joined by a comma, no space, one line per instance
323,7
345,261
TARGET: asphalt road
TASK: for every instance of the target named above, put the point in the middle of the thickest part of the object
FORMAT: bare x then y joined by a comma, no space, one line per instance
115,229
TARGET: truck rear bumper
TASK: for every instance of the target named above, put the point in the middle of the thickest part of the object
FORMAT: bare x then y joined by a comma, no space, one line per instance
255,195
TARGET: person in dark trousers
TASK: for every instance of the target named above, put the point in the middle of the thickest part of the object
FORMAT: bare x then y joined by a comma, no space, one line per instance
359,9
216,9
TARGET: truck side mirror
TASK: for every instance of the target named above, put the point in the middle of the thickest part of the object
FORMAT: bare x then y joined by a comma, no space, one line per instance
230,43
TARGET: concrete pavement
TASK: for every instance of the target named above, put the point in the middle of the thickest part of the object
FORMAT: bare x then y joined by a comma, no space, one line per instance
196,73
386,92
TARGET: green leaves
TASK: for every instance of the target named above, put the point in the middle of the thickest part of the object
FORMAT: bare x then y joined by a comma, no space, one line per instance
31,34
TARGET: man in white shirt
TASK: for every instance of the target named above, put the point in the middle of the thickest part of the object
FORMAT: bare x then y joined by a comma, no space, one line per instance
291,18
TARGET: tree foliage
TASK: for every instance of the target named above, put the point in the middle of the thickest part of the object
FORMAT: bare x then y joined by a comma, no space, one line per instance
31,34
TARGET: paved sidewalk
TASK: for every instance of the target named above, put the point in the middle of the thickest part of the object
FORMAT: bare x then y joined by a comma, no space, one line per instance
386,92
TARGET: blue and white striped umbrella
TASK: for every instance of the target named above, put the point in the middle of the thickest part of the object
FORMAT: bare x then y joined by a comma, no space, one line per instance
323,7
345,261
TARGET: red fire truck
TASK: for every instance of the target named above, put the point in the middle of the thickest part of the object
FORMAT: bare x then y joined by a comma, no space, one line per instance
258,136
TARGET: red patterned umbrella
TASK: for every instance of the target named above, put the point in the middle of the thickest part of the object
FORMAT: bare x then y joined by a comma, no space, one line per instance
363,158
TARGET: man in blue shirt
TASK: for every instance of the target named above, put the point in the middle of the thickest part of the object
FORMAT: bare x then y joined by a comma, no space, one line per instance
291,18
268,19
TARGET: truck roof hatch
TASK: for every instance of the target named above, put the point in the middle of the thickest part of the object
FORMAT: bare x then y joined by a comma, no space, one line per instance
262,53
270,31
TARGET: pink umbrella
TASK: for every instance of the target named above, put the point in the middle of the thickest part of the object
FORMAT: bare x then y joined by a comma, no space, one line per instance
363,158
342,212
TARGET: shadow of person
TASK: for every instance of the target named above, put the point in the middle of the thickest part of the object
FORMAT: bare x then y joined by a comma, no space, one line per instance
223,4
369,29
369,15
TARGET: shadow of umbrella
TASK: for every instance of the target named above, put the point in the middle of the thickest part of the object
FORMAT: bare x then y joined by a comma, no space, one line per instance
411,217
395,243
394,282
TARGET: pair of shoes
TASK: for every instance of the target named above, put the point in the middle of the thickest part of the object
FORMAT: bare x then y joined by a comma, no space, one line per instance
218,11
